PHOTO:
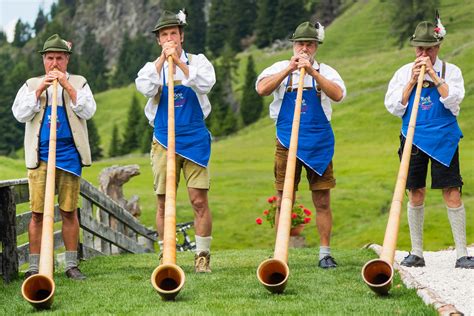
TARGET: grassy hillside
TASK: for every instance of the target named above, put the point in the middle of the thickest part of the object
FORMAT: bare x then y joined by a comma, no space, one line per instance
360,47
120,285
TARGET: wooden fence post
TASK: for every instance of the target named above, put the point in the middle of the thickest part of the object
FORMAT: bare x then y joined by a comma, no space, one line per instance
8,234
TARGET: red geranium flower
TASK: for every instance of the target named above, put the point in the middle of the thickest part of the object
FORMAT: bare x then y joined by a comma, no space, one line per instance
299,214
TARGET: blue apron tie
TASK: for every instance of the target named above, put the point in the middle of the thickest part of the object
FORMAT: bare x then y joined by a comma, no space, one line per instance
193,140
315,138
67,156
437,132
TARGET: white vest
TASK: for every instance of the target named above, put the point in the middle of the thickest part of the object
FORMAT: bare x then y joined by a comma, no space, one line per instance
78,125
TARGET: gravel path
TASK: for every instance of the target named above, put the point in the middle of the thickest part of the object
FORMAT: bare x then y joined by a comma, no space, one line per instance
439,277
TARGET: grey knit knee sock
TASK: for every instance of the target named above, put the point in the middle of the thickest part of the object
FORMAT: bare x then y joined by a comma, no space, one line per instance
457,218
416,215
33,259
71,260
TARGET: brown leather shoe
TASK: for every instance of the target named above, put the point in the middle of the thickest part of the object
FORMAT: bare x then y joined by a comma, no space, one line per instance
30,273
75,274
202,261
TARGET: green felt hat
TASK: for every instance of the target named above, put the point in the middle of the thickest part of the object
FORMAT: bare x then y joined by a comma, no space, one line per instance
308,32
168,19
56,44
426,35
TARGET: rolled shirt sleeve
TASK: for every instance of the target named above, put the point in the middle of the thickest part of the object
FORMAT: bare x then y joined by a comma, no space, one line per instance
455,83
85,106
25,105
393,97
202,76
148,80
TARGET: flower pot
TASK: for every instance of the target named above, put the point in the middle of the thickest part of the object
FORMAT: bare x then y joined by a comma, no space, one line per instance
296,231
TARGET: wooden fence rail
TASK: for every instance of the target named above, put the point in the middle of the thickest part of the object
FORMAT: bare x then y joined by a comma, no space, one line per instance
98,237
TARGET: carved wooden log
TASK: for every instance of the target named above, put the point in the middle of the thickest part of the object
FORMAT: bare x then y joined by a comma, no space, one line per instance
111,181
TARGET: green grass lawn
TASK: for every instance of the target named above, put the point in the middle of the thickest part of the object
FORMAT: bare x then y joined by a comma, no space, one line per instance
121,285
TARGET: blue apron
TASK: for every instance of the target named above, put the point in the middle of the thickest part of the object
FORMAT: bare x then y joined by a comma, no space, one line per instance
315,138
67,156
437,132
193,140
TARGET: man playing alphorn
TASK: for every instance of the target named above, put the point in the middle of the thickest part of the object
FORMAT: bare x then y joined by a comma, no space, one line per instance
195,77
436,139
32,106
322,86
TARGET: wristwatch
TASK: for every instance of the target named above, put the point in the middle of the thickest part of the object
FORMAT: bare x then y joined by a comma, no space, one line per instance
440,83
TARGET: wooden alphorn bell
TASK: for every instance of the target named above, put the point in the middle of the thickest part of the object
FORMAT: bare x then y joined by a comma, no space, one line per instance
378,273
273,273
39,289
168,278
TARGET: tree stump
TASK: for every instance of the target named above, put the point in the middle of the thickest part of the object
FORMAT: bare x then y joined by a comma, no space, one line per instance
111,181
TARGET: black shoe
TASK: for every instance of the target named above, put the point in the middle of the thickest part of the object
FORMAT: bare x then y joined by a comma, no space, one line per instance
413,261
75,274
465,262
30,273
327,262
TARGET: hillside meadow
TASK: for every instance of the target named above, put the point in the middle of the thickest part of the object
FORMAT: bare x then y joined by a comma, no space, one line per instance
358,44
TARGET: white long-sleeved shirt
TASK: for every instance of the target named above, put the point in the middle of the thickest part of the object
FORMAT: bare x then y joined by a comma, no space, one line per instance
453,78
26,105
278,94
201,79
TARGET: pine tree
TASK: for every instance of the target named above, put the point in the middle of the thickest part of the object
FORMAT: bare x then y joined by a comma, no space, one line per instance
114,148
3,38
241,22
218,29
12,76
289,14
94,140
406,14
195,39
266,11
222,120
40,21
252,104
92,63
133,130
22,34
147,139
132,56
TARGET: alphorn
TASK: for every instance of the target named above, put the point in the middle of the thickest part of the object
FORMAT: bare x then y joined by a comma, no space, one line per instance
168,278
39,288
378,273
273,273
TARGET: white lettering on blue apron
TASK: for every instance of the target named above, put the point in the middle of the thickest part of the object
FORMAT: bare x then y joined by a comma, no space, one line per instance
437,132
67,156
315,138
193,140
